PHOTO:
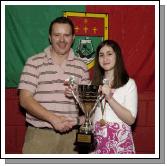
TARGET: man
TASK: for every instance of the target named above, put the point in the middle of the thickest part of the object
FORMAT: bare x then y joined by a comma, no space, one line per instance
51,115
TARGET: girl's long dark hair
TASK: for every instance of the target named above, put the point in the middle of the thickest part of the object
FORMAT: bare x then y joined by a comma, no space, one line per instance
121,76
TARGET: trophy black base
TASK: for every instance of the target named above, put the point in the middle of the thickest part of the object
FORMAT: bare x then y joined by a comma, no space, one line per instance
85,143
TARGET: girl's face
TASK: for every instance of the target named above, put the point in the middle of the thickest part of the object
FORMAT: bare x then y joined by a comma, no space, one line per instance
107,58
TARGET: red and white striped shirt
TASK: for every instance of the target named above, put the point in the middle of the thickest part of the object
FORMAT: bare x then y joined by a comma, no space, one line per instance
45,80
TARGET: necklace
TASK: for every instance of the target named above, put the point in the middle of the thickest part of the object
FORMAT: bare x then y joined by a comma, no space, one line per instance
102,121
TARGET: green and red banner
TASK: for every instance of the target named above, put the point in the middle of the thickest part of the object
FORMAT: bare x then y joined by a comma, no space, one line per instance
132,26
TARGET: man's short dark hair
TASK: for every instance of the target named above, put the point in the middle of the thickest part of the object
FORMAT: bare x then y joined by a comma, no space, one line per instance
62,20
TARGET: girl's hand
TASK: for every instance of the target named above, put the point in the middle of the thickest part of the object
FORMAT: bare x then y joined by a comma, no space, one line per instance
107,91
100,89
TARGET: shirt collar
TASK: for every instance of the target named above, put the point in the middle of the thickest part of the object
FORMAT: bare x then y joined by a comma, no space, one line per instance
71,55
47,52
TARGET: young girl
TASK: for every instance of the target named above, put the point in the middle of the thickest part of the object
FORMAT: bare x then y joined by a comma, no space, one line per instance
117,111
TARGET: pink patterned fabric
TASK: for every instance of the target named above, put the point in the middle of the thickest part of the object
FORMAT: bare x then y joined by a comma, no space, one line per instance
114,138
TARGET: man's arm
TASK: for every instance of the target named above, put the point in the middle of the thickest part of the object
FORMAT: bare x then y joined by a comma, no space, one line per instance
60,123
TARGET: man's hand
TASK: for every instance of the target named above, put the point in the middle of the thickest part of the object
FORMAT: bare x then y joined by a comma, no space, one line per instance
68,91
62,123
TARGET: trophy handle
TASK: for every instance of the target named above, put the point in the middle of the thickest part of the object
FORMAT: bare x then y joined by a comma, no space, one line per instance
71,81
77,100
99,98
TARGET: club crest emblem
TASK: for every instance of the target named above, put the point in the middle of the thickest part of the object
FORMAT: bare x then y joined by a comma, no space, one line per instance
86,50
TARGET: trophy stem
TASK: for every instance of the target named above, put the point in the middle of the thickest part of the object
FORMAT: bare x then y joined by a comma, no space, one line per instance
87,118
87,126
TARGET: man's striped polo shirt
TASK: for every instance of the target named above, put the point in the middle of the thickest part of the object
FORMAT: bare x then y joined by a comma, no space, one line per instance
45,80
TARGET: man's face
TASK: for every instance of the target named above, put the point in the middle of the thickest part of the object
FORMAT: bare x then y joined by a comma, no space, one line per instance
61,38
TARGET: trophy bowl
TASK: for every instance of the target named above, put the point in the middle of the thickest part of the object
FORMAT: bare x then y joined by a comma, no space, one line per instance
87,99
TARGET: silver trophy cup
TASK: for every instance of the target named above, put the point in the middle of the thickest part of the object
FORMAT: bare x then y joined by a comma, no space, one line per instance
87,97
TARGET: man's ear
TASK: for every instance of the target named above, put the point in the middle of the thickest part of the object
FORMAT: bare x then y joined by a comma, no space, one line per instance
50,39
73,37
